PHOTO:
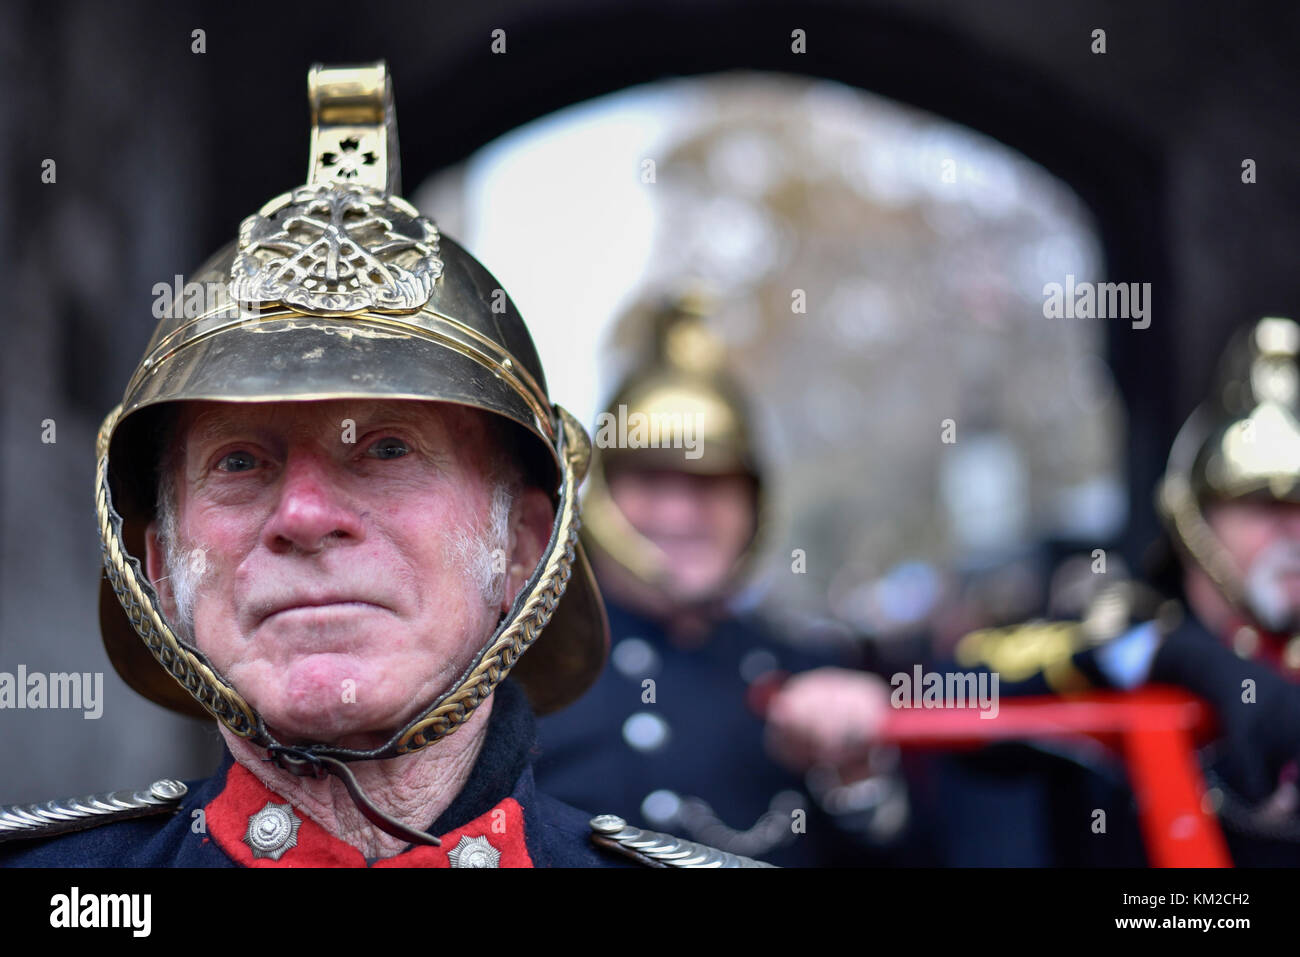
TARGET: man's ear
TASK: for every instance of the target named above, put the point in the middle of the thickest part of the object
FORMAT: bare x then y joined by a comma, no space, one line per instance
156,568
530,530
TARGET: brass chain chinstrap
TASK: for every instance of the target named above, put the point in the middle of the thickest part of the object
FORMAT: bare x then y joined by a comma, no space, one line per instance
514,636
1183,516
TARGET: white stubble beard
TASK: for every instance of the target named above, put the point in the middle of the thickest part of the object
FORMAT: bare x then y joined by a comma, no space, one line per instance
1265,588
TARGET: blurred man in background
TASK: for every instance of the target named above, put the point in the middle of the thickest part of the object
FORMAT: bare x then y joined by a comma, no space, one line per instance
1220,618
1230,501
673,734
1230,566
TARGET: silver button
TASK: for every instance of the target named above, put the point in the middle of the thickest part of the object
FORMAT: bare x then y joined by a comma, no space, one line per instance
272,831
645,731
168,789
661,808
474,852
635,658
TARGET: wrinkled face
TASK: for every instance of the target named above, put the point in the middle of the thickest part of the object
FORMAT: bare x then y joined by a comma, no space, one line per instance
1263,539
340,557
702,523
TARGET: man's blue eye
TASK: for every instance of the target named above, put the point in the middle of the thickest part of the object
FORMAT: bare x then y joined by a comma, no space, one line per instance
237,462
389,448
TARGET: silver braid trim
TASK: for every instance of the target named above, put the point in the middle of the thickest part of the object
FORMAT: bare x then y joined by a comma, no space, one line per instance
664,849
73,814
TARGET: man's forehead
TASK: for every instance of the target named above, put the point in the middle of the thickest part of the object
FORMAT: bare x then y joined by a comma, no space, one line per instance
205,421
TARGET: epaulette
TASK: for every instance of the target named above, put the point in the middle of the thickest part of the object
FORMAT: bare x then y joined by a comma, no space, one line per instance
1019,652
48,818
655,849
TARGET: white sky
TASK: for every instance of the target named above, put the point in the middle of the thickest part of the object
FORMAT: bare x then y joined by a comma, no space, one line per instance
557,211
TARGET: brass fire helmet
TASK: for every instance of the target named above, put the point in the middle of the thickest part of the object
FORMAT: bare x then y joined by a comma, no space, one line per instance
1242,443
679,393
340,289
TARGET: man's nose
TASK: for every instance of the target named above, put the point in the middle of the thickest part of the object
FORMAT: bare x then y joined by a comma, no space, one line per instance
312,508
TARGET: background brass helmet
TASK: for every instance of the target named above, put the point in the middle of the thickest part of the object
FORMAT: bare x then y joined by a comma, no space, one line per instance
340,289
680,389
1243,442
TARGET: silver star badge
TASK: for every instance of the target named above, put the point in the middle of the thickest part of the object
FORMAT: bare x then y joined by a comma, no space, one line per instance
474,852
272,831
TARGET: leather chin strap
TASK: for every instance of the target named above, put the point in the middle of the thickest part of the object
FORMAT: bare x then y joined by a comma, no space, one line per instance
189,666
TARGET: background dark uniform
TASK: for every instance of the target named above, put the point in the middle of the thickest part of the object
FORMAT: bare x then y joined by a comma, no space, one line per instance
702,738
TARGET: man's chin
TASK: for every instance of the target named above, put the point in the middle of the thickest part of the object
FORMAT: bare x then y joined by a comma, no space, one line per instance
1281,624
696,589
1274,604
355,741
307,720
295,730
1280,620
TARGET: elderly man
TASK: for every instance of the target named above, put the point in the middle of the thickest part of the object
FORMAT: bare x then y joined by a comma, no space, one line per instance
1229,573
356,508
1223,617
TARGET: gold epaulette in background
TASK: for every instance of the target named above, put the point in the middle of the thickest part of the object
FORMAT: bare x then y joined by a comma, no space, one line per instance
1019,652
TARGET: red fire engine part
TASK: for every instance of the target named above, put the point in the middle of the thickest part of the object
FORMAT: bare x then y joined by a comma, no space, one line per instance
1156,729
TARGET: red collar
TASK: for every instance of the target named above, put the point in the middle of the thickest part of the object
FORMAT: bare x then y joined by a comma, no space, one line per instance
228,814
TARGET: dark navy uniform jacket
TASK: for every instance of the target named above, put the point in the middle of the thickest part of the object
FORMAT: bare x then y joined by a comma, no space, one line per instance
498,802
685,754
1019,803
